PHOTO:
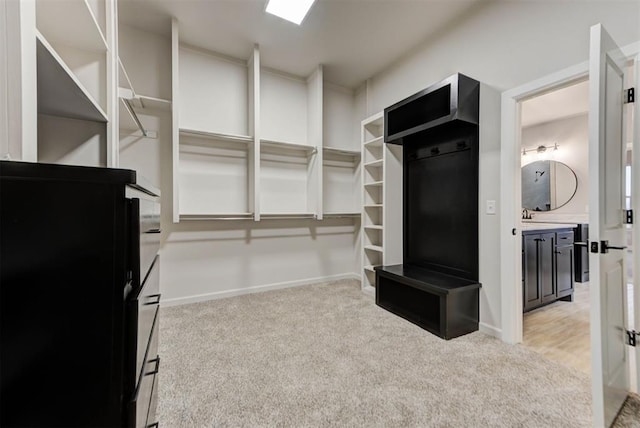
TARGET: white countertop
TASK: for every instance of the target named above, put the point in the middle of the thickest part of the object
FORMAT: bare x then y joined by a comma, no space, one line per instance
526,226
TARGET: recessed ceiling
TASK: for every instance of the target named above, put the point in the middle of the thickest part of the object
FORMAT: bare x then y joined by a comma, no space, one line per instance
566,102
352,39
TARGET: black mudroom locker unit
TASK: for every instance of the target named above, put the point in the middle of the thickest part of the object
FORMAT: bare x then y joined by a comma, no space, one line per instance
437,285
79,297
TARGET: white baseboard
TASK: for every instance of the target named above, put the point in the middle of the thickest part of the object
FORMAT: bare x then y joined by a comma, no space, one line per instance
255,289
490,330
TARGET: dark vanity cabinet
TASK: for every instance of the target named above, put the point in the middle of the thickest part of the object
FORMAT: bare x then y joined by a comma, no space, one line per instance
547,267
79,297
581,233
537,272
437,285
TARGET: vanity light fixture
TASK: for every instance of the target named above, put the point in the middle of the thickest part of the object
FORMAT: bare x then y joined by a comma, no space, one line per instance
540,149
291,10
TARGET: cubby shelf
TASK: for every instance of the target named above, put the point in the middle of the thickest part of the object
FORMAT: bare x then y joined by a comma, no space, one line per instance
381,200
374,164
60,93
375,142
374,227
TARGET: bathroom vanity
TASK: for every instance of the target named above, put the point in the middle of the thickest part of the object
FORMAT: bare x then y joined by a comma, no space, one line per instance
547,264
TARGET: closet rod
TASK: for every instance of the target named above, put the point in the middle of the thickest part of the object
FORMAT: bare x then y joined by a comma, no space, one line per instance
134,116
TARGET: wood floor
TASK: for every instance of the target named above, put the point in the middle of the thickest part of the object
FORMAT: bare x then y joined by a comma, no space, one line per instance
560,331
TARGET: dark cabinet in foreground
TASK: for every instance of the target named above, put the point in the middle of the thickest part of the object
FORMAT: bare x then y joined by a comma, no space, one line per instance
547,267
79,297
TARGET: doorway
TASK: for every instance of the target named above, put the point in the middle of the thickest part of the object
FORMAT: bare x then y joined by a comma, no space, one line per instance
554,161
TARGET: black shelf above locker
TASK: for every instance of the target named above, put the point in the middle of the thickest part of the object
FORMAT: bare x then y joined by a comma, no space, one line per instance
452,99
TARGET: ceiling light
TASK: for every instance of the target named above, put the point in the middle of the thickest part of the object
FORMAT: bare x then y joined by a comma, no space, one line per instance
291,10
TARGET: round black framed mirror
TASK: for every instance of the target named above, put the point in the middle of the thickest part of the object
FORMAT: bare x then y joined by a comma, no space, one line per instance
547,185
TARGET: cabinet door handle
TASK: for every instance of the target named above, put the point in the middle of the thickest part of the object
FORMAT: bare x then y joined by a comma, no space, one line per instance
540,240
155,370
154,299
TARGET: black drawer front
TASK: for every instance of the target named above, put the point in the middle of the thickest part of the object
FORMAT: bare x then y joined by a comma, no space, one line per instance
142,412
149,234
146,304
564,238
145,236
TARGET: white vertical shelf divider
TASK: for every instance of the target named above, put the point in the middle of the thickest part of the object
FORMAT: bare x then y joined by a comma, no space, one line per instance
175,117
254,129
113,126
392,201
314,139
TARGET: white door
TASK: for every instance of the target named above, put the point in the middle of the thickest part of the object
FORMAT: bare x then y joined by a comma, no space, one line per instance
610,365
635,205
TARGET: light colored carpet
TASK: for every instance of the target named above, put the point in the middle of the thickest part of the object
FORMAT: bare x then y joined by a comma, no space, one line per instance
326,355
629,416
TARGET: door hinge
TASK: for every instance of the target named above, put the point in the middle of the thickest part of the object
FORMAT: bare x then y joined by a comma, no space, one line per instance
630,95
632,337
628,216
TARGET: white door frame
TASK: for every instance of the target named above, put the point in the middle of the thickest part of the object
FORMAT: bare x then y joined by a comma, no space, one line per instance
510,190
511,196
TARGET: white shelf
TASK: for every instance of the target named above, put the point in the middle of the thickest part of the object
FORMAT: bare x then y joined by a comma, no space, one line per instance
374,164
373,206
339,214
245,139
341,152
370,268
374,184
217,216
60,93
285,145
286,215
376,248
79,28
151,103
374,227
376,142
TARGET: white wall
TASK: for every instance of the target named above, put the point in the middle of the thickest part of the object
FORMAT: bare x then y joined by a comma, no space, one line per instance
572,136
507,43
503,44
209,259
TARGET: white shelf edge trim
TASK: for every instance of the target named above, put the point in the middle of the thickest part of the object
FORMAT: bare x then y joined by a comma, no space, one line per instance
375,183
373,248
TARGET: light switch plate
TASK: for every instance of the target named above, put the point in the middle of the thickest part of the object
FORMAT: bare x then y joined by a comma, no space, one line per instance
491,207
